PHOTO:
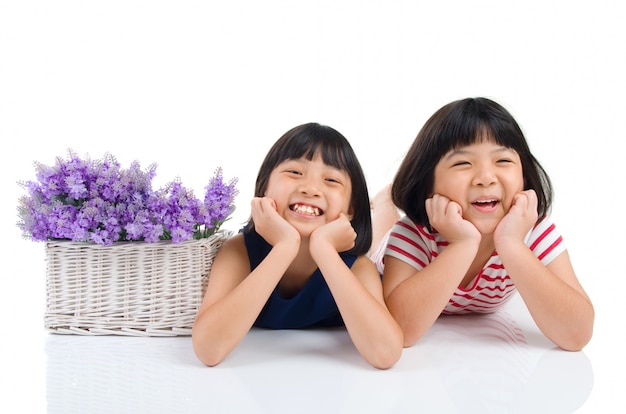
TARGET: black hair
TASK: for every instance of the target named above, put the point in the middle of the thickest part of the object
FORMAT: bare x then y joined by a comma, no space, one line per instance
458,124
307,140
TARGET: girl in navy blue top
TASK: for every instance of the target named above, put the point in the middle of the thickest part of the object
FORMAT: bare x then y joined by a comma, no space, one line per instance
301,261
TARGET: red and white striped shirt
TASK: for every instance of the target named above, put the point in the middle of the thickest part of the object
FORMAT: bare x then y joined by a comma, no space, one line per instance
492,287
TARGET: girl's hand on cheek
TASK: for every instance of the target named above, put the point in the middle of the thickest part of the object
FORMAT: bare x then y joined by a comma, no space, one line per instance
520,219
339,233
269,224
446,216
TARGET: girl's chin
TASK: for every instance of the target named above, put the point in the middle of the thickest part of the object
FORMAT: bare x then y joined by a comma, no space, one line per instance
485,228
304,229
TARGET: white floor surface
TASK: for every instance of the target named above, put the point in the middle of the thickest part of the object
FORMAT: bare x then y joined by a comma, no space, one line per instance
498,363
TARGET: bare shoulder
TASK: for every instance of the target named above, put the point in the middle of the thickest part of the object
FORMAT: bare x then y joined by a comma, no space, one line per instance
231,263
232,252
235,242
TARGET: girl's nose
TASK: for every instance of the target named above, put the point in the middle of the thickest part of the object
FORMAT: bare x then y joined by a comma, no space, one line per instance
485,176
309,187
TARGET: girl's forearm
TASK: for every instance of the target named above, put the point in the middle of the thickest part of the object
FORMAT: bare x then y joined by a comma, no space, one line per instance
221,327
417,302
373,330
561,310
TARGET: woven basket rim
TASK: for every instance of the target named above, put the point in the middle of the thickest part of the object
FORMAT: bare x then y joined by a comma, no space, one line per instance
128,288
66,242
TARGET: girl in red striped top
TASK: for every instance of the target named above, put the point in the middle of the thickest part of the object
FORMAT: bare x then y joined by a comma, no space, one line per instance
476,228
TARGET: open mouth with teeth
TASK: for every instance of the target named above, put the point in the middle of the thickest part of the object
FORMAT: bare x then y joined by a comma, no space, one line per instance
486,203
306,209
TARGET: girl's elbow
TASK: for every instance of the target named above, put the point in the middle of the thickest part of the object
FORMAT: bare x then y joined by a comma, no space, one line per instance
411,335
209,361
409,342
576,343
208,355
579,337
411,329
384,354
578,340
387,359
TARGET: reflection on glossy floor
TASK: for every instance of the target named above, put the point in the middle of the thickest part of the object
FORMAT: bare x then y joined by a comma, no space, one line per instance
498,363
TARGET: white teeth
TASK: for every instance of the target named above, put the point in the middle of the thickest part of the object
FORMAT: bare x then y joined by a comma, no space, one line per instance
312,211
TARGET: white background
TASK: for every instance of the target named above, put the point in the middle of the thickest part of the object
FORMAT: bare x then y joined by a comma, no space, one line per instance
194,85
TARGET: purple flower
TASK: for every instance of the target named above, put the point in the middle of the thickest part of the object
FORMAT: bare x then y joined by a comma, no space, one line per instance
218,201
100,202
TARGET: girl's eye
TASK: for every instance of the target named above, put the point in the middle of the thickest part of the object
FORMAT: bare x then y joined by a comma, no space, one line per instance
504,160
460,163
333,180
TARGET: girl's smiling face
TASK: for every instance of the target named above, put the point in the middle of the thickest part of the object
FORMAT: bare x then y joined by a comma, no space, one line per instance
309,193
482,178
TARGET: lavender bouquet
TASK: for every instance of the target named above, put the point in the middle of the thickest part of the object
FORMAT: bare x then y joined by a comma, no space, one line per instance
97,201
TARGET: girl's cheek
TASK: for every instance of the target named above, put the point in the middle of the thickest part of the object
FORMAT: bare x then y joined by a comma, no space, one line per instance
271,193
509,204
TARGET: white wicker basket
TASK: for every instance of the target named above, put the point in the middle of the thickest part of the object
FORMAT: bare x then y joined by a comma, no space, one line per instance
130,288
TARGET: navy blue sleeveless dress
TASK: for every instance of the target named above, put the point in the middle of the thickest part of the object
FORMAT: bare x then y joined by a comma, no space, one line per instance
313,306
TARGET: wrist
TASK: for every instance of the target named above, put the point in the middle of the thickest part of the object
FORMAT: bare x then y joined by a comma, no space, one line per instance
508,245
289,248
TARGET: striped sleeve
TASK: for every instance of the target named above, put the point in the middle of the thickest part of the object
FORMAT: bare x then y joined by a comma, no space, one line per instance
545,241
411,244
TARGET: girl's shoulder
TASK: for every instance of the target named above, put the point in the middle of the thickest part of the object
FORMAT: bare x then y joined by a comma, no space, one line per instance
406,221
545,240
544,227
238,238
234,245
408,228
